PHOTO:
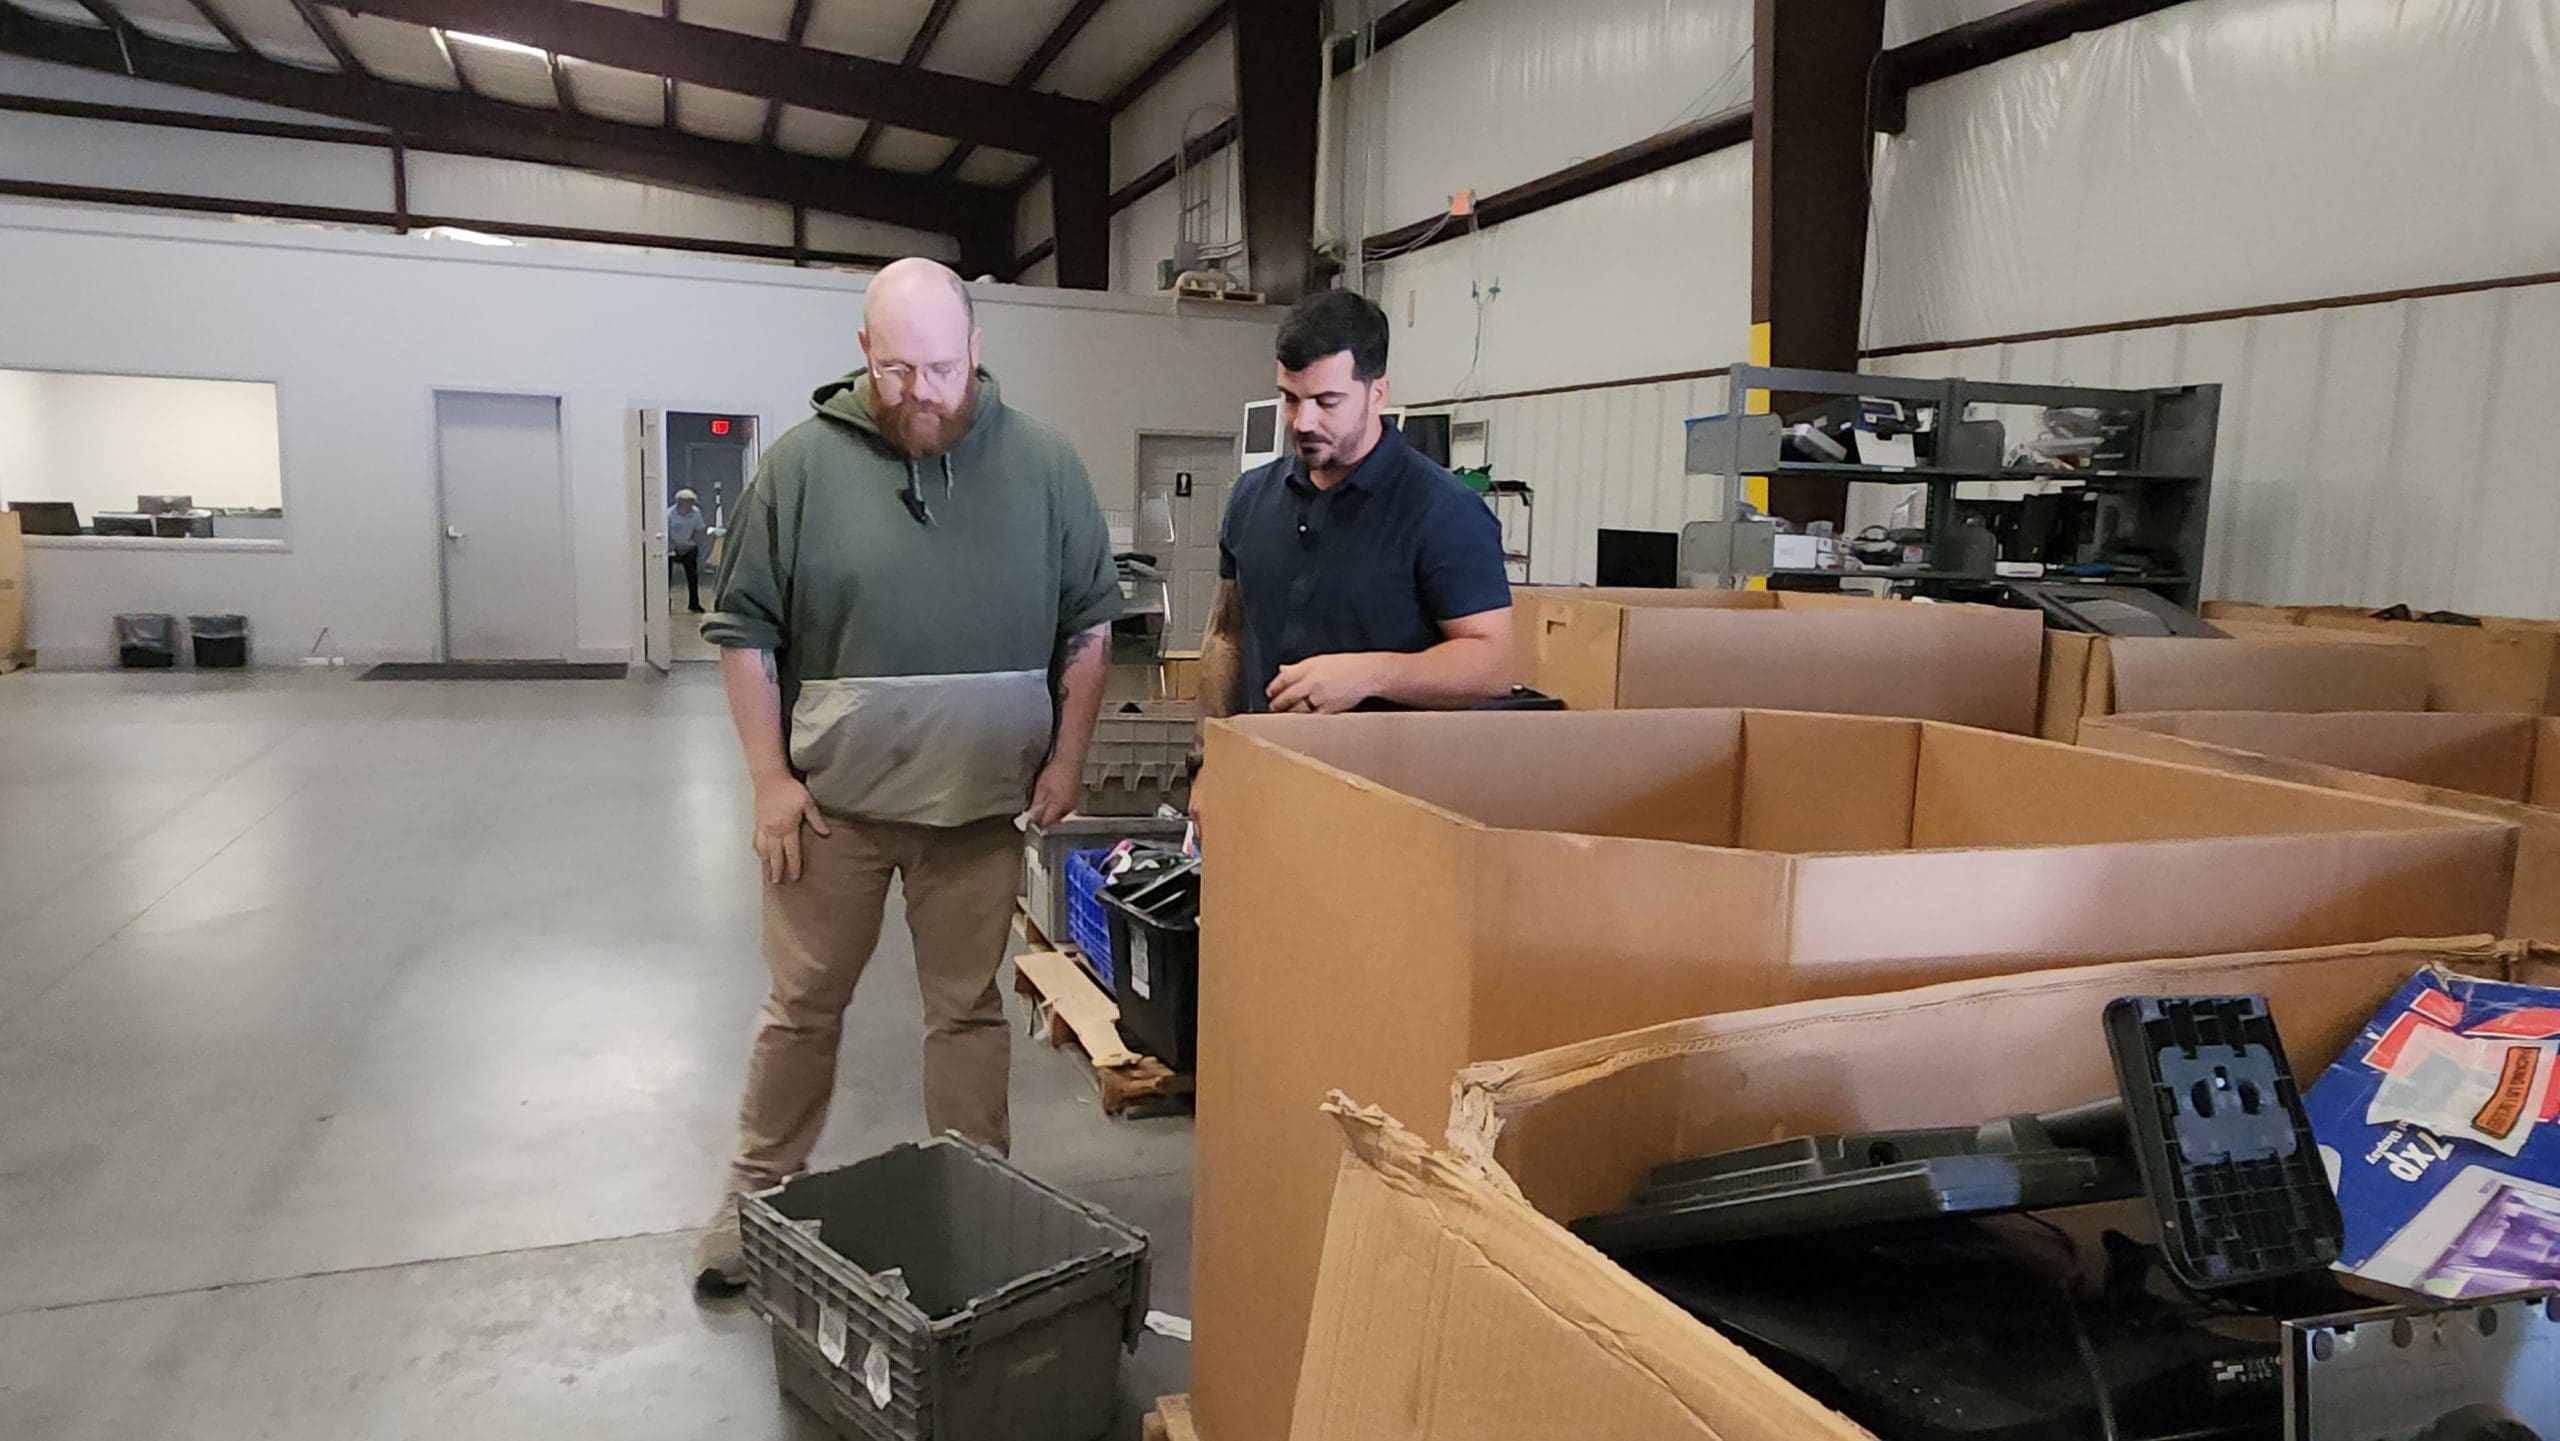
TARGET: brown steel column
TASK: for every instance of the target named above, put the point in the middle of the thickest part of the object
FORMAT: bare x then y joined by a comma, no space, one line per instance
1080,210
1810,69
1279,63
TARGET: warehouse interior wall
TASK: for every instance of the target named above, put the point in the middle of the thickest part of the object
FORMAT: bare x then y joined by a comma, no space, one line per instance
116,155
358,331
2356,440
1536,326
2360,456
1191,98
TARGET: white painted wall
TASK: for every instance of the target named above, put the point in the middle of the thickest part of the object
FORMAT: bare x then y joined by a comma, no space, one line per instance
357,332
99,441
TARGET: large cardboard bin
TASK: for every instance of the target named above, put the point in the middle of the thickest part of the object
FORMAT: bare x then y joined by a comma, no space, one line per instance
2501,766
1621,649
2503,665
13,594
2087,677
1390,897
1455,1306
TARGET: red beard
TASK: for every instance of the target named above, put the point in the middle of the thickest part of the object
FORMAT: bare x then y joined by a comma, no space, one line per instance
921,430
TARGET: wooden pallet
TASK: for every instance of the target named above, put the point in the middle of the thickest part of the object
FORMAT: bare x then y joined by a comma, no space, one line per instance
1070,1010
1170,1421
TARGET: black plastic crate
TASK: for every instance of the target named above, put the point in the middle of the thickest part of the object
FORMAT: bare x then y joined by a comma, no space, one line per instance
936,1293
1155,947
221,641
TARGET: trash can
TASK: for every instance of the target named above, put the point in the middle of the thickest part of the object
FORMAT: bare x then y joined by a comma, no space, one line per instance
936,1293
1155,943
222,641
147,642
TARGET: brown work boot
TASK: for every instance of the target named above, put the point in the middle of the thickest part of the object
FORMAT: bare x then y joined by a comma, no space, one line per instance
719,1260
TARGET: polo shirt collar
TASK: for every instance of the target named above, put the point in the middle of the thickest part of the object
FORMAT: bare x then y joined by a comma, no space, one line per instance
1373,468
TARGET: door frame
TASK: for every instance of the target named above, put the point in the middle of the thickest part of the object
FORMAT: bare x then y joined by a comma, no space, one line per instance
644,511
1137,451
568,514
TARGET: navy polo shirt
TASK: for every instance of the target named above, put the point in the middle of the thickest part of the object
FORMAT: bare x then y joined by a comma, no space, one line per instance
1374,564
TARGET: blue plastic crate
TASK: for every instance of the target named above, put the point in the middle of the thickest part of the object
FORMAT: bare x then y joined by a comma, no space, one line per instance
1087,925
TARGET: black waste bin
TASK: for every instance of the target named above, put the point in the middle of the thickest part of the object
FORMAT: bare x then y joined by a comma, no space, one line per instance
222,641
1155,943
147,642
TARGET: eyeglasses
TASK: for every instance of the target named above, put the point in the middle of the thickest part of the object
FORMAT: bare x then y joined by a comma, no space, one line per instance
902,375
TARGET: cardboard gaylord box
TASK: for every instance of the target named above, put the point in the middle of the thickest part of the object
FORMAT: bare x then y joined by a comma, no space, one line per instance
2504,767
2257,667
1631,649
1390,897
1455,1306
2503,665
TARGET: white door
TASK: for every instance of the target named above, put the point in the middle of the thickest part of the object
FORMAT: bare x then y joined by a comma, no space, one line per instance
1183,482
507,594
649,472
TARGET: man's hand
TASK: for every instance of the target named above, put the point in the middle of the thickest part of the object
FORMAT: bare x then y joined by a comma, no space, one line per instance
1057,793
782,807
1326,684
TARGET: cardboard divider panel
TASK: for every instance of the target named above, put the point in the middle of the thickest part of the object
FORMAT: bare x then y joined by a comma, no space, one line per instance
1826,783
1642,649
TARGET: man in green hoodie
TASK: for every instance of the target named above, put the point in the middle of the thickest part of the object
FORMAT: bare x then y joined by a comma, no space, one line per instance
913,611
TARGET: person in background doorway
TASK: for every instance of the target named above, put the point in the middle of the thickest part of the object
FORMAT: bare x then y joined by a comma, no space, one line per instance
1354,570
685,525
913,612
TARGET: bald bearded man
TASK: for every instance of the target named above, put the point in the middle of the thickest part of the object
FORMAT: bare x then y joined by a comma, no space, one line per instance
913,607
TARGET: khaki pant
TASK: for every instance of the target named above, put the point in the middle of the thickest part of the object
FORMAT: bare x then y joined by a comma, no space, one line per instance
818,933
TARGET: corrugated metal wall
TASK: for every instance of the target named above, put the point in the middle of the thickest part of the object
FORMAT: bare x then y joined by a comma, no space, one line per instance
2368,454
2218,154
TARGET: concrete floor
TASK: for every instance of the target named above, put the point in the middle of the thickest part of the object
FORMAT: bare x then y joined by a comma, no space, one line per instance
367,1051
684,628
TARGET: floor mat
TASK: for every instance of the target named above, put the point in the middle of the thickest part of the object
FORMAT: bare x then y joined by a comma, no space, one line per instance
493,670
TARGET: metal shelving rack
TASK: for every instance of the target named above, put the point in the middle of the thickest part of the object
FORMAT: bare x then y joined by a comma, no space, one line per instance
2168,472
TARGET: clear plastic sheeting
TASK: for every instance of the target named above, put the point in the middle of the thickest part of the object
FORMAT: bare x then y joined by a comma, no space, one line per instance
2220,154
828,231
1503,91
1651,277
1909,20
1144,135
20,76
541,195
64,151
2367,454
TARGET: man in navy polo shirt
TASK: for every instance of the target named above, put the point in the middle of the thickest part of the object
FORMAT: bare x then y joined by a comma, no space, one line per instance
1353,570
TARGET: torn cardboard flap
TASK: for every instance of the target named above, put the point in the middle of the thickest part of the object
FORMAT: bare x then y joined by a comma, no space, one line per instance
1495,1285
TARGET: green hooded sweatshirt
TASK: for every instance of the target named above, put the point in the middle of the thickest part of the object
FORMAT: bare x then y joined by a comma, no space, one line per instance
915,608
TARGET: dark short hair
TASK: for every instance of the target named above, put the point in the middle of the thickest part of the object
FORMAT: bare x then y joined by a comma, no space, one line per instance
1331,321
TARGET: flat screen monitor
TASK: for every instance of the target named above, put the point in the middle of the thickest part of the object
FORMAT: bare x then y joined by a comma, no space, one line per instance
46,517
1643,558
1262,442
1429,433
